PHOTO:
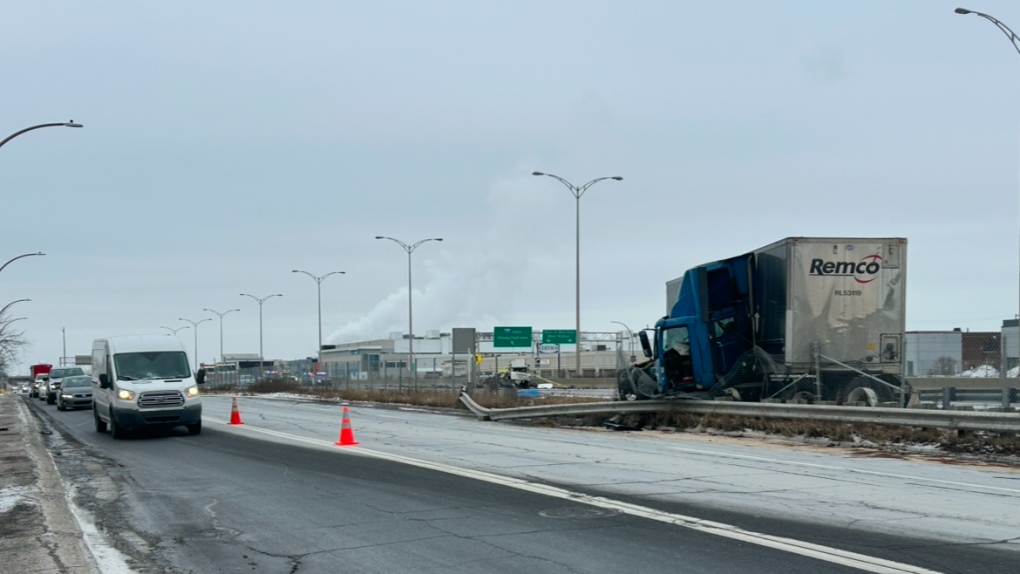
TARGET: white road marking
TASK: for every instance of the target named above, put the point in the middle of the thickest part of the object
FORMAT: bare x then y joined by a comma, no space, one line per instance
817,551
843,469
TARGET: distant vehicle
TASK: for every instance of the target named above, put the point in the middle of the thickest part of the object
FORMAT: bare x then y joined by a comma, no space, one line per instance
40,373
39,388
56,376
144,381
75,392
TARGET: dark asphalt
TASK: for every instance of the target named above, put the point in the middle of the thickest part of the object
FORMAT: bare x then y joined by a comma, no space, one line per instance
220,502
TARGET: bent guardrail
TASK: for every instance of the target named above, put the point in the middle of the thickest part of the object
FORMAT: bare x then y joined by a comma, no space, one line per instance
953,420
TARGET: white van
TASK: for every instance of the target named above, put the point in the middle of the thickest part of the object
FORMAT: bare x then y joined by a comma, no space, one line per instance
144,381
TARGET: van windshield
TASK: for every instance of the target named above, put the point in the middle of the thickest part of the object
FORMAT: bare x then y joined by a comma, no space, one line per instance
151,365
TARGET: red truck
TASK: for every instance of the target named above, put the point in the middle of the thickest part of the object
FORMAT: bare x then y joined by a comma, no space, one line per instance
40,373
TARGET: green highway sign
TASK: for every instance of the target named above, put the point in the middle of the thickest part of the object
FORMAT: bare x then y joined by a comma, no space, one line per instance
511,337
559,337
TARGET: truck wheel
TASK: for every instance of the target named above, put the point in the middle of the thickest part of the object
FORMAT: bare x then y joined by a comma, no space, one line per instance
859,391
634,385
116,432
802,398
100,425
623,387
195,428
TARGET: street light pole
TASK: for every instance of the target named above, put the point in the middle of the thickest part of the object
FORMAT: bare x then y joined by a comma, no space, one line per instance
631,335
577,192
220,315
260,301
172,330
410,309
318,285
1015,41
7,306
13,259
70,124
194,325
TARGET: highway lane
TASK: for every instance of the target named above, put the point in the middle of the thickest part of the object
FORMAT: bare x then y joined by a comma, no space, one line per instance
227,494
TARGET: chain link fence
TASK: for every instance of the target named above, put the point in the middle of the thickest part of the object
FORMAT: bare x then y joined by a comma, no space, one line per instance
963,369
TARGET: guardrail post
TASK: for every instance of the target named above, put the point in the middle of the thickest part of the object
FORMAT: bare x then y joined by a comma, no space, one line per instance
947,397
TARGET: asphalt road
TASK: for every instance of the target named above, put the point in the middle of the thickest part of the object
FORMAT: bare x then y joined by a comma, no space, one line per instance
427,492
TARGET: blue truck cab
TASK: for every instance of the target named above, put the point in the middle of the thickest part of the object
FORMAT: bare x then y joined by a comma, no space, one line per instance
706,331
806,319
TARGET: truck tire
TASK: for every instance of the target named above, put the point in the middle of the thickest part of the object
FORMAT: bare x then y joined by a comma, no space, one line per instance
195,428
859,391
633,384
864,390
116,432
100,425
624,390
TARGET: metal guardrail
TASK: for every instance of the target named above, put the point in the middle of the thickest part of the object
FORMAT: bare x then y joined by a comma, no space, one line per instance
954,420
969,383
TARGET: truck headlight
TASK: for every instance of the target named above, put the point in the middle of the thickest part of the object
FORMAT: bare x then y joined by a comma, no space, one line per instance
126,395
191,392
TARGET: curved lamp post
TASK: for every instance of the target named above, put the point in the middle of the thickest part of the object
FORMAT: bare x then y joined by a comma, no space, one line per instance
1015,41
220,315
631,335
260,301
70,124
194,325
318,286
12,260
174,331
7,306
577,192
410,315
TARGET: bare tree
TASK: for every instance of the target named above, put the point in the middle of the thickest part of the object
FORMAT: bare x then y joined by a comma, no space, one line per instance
12,343
944,366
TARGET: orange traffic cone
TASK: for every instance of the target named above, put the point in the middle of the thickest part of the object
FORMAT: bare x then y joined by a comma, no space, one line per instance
235,415
346,432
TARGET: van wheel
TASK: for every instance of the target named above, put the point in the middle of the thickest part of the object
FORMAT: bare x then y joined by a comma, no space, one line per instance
195,428
115,431
100,425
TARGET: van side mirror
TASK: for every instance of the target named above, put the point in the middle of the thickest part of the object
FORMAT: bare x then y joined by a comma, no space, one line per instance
200,377
645,345
104,381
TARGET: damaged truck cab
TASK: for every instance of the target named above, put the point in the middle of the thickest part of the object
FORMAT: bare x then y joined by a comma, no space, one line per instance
802,319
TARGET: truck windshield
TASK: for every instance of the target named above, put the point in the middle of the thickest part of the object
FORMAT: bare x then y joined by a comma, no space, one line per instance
676,338
152,365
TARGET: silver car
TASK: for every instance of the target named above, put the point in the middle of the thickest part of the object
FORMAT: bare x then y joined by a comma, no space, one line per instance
74,393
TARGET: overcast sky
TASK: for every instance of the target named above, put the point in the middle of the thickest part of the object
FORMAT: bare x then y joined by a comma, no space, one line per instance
227,143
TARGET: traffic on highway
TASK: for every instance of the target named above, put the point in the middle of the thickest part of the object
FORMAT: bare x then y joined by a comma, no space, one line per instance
510,287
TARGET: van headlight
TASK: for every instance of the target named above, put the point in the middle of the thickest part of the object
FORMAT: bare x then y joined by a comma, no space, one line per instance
191,392
126,395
